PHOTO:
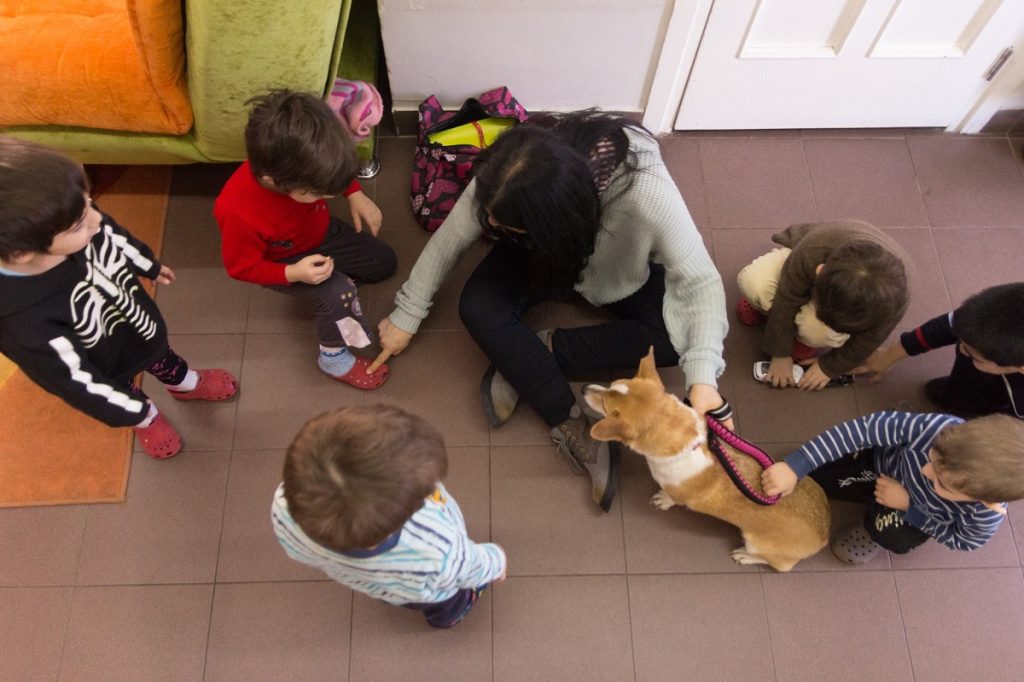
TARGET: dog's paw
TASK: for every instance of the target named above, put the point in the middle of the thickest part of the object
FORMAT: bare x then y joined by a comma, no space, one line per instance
745,558
662,500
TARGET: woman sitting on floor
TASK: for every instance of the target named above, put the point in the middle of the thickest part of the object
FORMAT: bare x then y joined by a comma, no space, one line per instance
574,202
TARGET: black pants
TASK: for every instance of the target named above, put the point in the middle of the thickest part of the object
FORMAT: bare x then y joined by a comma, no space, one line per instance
852,479
492,306
338,313
442,614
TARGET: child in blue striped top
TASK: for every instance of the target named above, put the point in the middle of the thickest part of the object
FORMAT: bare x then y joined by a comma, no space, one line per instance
922,475
362,501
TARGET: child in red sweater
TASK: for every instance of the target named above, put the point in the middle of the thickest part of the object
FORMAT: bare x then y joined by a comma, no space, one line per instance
276,228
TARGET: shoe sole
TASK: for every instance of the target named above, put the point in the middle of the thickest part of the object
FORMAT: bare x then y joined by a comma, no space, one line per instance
485,398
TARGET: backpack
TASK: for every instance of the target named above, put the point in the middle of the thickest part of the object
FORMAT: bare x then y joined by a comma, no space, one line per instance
440,173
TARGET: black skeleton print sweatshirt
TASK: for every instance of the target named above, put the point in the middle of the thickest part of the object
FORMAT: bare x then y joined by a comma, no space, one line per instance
83,329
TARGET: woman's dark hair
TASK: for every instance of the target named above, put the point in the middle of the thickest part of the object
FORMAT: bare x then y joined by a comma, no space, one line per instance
42,193
296,140
992,321
540,177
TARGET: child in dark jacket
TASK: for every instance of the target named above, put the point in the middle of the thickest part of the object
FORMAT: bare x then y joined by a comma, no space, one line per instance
988,372
73,314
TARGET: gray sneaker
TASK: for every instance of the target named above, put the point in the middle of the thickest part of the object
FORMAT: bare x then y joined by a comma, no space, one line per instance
498,396
599,458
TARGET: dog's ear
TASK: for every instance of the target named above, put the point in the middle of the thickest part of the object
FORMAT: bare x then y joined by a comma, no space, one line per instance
612,428
647,369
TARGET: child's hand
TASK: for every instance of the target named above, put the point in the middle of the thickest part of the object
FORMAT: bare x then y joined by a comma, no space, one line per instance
778,479
881,361
311,269
889,493
780,372
166,275
392,342
813,379
364,211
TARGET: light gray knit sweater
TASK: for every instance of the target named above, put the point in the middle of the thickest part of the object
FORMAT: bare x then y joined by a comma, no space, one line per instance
647,221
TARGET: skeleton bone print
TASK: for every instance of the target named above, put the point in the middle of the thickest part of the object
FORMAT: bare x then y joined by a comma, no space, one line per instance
106,297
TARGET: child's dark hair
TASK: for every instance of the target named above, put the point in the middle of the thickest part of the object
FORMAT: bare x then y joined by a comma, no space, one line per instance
861,285
539,177
355,475
992,321
296,140
42,193
983,458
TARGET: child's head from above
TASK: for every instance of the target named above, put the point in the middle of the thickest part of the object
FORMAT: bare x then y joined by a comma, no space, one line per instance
990,326
860,285
979,460
44,205
355,475
296,146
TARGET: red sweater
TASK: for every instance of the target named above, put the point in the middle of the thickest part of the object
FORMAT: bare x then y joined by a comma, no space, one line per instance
259,227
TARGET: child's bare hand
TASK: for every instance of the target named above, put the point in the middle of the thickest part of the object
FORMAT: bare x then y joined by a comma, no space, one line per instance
778,479
889,493
880,362
780,372
813,379
364,211
166,275
311,269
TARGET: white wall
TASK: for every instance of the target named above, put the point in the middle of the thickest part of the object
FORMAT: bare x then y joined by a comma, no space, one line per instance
554,55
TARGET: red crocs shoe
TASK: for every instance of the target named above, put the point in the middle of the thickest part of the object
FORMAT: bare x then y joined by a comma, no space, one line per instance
802,352
214,384
358,377
748,314
159,440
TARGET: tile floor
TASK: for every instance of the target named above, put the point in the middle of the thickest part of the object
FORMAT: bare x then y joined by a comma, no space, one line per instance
185,581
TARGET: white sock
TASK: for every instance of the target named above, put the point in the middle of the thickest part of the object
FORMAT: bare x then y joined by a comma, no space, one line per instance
149,418
189,383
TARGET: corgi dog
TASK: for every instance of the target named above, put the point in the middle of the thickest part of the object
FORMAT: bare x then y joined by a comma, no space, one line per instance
639,413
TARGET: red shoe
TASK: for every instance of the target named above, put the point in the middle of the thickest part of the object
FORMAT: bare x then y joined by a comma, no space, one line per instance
159,440
358,377
214,384
748,314
802,352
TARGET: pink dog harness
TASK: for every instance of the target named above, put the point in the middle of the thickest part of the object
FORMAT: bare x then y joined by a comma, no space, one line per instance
717,430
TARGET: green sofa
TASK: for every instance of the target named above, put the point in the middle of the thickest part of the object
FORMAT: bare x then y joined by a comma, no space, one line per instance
234,49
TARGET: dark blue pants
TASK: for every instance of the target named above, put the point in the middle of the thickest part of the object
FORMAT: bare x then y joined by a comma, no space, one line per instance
492,306
448,612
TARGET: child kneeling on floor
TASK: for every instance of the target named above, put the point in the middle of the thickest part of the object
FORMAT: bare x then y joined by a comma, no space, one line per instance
362,500
922,475
73,314
839,285
277,230
988,373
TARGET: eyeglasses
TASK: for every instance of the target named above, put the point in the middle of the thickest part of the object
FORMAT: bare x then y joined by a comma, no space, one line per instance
515,235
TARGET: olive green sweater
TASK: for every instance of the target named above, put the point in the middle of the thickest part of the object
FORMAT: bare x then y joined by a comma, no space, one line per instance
642,222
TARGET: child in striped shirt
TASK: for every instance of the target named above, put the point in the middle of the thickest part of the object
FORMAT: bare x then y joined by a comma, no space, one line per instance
922,475
362,501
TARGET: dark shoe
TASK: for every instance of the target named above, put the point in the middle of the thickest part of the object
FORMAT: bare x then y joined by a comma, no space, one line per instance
498,397
943,396
600,459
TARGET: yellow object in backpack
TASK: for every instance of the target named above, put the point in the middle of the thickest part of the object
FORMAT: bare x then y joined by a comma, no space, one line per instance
480,133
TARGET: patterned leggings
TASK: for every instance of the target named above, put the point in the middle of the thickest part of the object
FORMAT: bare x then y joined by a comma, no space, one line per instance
170,369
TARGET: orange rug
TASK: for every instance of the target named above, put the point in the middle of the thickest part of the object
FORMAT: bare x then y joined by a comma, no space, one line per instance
49,452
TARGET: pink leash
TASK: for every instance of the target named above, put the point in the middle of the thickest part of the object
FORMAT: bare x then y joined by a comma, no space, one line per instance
716,430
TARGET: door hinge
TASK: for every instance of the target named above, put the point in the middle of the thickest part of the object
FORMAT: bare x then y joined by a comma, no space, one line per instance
1000,61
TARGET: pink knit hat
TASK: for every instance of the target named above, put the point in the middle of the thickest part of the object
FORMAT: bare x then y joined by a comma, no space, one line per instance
358,106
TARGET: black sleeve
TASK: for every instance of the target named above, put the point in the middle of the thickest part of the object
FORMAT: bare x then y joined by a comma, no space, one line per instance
60,366
934,333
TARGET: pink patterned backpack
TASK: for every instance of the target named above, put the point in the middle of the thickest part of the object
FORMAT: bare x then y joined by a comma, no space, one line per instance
440,173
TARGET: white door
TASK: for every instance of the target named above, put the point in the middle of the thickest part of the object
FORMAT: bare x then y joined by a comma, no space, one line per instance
844,63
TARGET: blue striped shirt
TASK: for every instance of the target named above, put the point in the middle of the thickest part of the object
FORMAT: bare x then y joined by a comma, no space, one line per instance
901,443
432,559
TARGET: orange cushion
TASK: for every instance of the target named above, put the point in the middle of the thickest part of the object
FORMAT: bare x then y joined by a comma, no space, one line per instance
111,64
